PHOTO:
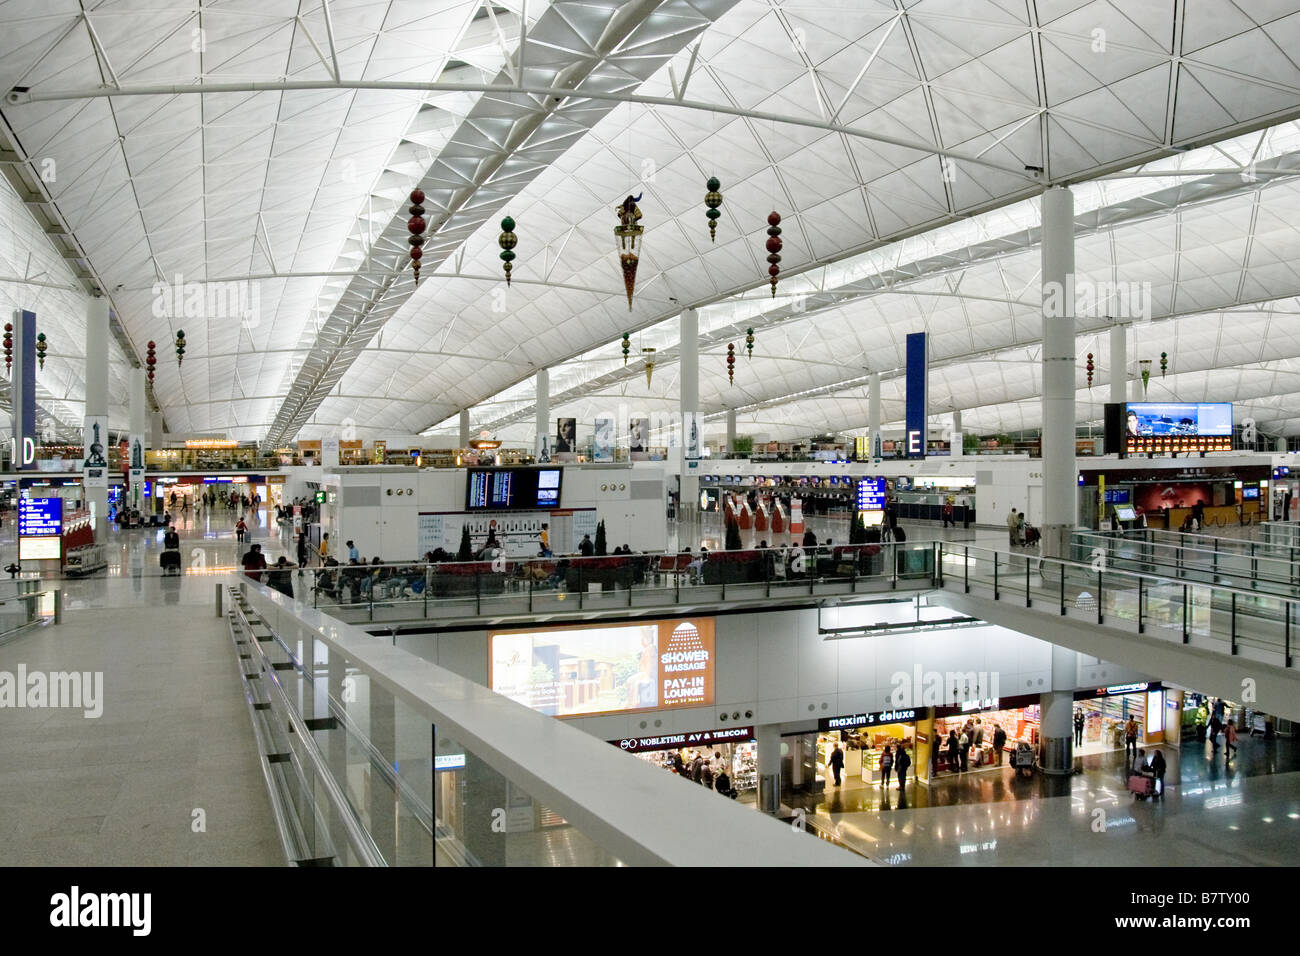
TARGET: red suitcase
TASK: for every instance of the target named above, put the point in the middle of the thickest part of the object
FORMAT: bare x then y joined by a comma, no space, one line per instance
1141,785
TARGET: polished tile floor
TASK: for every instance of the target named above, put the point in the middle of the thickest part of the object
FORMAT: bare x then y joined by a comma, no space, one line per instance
1216,813
169,773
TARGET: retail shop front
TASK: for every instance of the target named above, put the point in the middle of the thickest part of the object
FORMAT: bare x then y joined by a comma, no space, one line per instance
1020,717
731,747
1106,711
862,737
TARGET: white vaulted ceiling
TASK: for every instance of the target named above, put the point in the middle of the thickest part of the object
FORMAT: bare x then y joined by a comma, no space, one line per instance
915,117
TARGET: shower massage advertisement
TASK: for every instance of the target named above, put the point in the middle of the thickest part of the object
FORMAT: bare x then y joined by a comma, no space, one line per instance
605,669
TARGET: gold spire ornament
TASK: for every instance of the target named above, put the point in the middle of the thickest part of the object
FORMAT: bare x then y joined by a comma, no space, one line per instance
628,232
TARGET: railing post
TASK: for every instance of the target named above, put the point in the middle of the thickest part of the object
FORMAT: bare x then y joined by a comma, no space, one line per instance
1232,629
218,586
1062,589
1099,595
995,575
966,568
767,575
1286,647
58,604
1141,626
530,593
478,593
582,585
1186,634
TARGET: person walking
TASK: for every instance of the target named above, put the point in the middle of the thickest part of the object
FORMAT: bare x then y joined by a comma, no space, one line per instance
324,548
947,514
836,763
1130,741
999,741
353,553
697,767
901,763
254,562
1158,768
302,550
1229,741
886,767
1078,728
963,745
1013,527
1215,726
241,529
954,752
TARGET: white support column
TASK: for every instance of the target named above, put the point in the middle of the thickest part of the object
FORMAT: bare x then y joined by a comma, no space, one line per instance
97,401
768,737
542,405
731,431
464,428
1118,364
689,385
1059,480
1056,754
139,418
873,416
955,443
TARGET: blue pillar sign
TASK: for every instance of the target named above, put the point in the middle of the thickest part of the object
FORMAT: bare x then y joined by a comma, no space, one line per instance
914,438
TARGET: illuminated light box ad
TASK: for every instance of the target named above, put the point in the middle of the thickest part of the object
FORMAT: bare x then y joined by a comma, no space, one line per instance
598,669
40,549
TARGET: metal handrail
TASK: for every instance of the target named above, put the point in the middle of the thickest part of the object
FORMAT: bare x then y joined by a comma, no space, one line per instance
1135,575
359,838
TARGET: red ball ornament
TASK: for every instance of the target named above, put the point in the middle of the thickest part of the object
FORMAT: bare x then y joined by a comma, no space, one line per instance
774,246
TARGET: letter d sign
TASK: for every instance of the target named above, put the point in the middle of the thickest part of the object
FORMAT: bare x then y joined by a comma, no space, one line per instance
29,451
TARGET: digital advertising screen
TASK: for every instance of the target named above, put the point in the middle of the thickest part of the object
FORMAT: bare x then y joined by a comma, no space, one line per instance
1173,427
512,489
1126,513
871,494
605,669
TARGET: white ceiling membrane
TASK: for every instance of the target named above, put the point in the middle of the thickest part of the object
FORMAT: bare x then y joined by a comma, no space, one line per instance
911,117
1216,304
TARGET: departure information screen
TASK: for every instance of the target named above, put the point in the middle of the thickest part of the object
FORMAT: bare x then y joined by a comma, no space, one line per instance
39,517
508,489
871,494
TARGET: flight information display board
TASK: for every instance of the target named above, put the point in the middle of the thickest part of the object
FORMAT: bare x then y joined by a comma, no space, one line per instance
871,494
1174,427
509,489
39,517
40,528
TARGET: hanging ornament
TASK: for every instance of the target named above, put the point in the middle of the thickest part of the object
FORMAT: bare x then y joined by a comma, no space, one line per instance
9,347
1164,363
628,232
1090,368
150,360
1146,374
416,226
507,241
713,199
180,347
749,342
627,346
649,356
731,364
773,247
40,348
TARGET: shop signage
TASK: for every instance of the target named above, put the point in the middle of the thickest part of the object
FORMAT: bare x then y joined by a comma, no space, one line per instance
988,703
867,720
699,738
448,761
1114,690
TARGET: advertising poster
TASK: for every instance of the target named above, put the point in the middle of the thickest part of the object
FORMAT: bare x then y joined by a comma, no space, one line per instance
602,441
95,454
691,425
639,439
605,669
566,435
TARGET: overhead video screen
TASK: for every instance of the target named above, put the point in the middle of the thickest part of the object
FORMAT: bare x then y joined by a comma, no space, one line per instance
1178,419
512,489
581,671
